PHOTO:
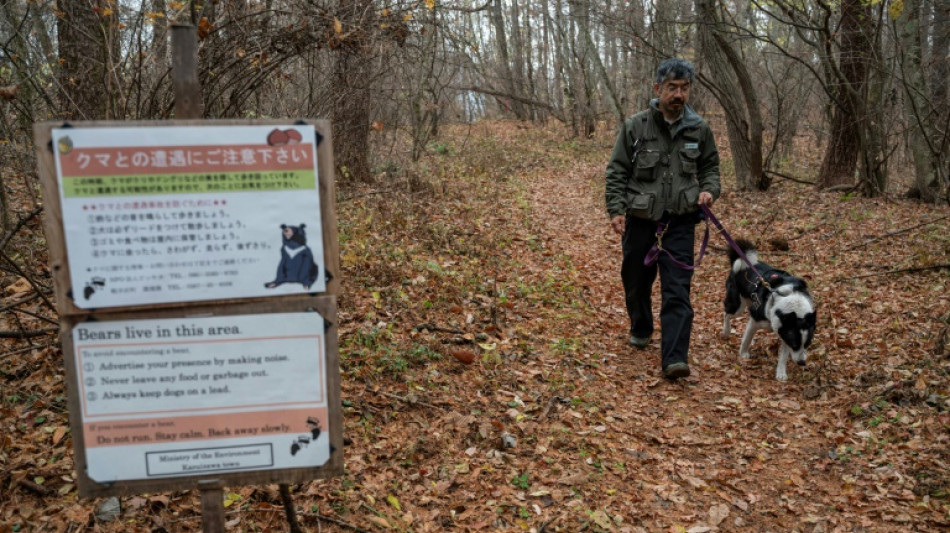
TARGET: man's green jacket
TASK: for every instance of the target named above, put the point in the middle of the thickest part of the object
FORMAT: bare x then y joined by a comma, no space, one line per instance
659,168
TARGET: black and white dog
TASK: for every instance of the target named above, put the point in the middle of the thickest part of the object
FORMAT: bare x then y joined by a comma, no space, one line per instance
784,306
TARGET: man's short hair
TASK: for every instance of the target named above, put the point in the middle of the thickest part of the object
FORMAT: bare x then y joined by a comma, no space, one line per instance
675,68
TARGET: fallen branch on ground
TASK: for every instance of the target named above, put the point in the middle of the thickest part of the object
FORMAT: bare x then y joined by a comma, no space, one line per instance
787,177
29,334
899,271
23,350
898,232
432,327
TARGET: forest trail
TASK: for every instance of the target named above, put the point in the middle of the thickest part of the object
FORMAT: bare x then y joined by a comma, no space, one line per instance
730,446
487,384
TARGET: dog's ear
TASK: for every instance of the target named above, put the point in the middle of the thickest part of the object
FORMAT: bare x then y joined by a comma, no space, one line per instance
811,319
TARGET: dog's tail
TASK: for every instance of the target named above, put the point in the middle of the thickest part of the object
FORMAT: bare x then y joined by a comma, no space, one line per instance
750,252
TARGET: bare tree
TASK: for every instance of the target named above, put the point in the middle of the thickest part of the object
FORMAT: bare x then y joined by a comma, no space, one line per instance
732,86
83,57
940,58
582,58
920,115
504,60
590,51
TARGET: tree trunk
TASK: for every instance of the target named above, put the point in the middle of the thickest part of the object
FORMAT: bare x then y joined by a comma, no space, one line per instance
159,39
20,60
83,57
841,155
518,60
940,78
504,60
580,11
352,79
874,162
544,57
565,77
756,174
664,36
917,110
422,129
583,23
727,91
42,33
940,71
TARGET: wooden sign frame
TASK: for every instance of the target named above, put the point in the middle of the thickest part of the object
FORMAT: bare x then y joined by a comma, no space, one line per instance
72,315
53,222
324,305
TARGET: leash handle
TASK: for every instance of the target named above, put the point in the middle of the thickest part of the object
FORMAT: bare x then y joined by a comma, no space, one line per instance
725,235
654,252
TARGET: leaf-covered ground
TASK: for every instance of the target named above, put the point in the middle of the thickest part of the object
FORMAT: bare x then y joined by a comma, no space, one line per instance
487,385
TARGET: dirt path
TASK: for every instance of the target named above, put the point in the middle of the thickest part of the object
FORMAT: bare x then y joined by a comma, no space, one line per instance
729,446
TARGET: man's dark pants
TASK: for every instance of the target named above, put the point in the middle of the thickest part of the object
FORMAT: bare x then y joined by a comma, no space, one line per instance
676,312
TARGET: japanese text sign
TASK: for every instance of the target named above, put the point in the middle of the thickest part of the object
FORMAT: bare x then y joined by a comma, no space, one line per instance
189,213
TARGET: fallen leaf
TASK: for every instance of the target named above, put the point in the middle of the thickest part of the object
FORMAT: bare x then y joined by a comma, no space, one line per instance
465,356
18,287
9,92
601,519
394,501
718,513
59,434
204,28
574,479
379,521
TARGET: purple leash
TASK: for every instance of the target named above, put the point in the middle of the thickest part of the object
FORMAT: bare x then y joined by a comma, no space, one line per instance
661,227
654,252
725,235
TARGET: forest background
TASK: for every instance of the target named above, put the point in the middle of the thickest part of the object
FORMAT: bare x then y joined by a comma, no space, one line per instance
833,121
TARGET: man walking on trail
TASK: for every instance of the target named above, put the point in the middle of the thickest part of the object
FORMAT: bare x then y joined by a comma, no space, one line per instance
664,165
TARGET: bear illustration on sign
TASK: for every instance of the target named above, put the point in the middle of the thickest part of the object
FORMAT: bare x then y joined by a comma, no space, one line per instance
296,259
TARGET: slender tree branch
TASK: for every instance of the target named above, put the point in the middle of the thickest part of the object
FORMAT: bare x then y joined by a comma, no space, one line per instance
29,279
521,99
19,224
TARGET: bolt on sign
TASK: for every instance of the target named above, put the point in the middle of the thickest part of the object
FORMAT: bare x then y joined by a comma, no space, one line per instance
193,265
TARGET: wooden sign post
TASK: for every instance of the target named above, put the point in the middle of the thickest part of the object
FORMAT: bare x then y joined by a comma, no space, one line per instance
187,92
194,268
185,83
188,105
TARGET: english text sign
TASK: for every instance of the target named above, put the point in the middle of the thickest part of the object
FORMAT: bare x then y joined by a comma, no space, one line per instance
200,396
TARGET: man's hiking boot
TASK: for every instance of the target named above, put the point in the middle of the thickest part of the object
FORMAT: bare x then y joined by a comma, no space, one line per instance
639,342
675,371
